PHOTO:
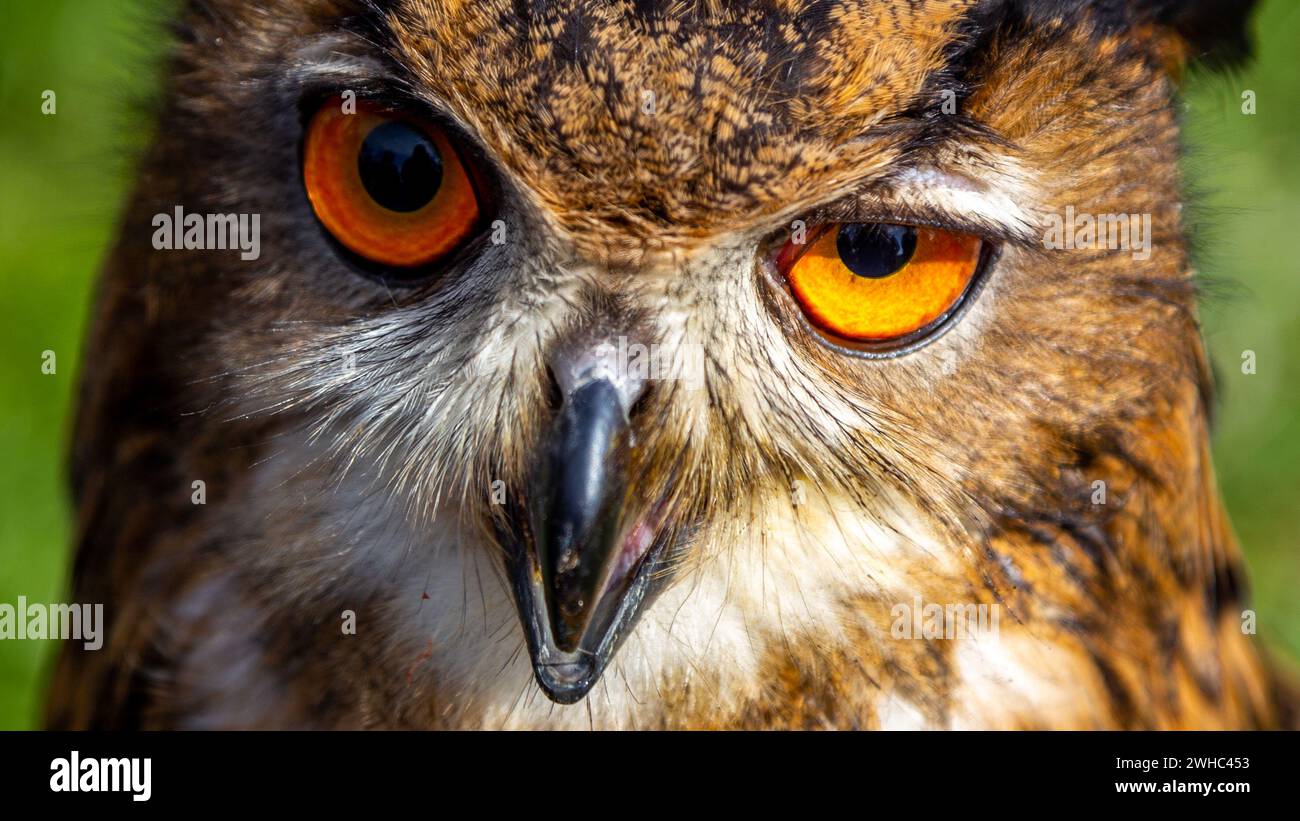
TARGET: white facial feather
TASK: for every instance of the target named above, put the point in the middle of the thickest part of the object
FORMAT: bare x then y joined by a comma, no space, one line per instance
784,576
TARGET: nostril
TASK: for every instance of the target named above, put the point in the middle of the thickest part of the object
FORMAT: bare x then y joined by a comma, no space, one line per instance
590,359
554,398
638,406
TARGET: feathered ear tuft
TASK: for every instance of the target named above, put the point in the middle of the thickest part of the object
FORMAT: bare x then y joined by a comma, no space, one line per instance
1210,31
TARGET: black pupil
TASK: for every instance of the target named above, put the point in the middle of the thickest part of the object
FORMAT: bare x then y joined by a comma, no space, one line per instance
875,250
400,167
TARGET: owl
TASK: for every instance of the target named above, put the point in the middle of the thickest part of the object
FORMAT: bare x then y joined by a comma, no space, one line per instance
640,364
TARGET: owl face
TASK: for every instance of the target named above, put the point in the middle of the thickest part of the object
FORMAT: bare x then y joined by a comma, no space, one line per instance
656,335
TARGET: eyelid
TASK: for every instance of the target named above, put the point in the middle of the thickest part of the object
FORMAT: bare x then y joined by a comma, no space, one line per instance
325,67
337,60
938,199
383,94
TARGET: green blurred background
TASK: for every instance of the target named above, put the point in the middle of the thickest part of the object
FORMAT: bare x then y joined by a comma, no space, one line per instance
63,178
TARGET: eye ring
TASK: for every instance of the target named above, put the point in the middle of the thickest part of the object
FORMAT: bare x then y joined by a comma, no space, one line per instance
783,302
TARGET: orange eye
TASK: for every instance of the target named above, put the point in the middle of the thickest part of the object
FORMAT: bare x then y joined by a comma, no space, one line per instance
877,282
389,187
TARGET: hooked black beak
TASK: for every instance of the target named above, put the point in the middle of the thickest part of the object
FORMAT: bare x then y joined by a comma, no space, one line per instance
582,552
581,499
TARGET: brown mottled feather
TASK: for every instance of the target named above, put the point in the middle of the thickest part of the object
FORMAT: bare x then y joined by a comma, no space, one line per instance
1090,369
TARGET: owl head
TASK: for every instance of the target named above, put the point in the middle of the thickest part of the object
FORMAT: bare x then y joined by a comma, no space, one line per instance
655,336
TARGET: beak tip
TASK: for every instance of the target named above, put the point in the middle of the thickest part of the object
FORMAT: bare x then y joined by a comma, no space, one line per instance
566,682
